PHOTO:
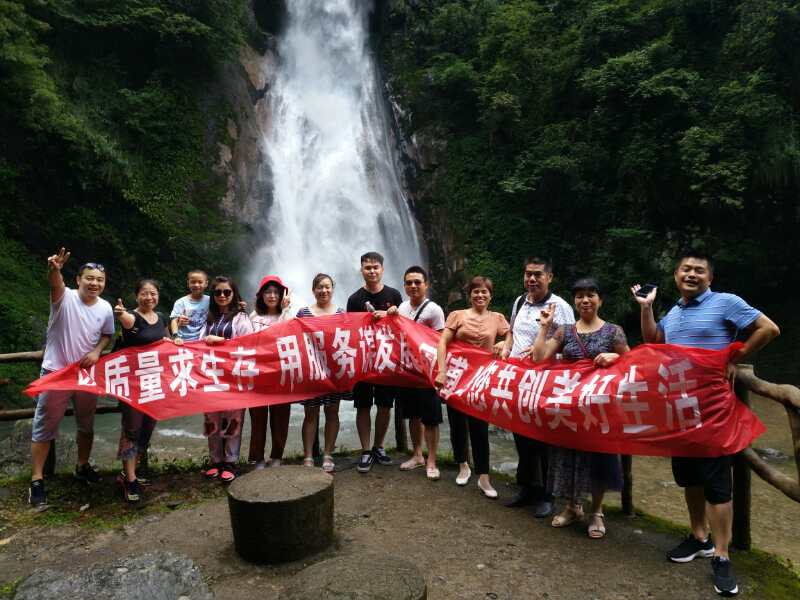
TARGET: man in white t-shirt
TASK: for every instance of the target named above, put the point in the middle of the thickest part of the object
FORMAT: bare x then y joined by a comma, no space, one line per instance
532,466
81,324
421,406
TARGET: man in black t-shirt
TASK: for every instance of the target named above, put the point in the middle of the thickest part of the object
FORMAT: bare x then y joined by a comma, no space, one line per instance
375,297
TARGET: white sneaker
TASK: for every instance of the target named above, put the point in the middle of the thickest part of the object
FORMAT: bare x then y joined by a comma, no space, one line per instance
465,479
274,462
488,491
260,465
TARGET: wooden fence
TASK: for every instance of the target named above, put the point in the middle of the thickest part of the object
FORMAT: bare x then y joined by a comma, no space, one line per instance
745,463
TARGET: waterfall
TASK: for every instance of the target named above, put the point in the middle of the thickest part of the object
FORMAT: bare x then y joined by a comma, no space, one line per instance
336,192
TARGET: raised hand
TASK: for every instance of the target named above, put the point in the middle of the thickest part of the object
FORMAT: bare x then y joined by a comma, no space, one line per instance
287,300
547,315
647,300
57,261
119,308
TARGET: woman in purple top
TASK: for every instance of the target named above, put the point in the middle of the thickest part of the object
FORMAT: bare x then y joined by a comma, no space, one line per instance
224,428
574,473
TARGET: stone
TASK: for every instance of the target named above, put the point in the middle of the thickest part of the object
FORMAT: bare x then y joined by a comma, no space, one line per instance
155,576
282,514
366,577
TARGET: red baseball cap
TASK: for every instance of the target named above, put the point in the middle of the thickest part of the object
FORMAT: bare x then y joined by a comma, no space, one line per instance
271,279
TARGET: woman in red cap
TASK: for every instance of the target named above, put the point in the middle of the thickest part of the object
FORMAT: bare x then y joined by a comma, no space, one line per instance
272,306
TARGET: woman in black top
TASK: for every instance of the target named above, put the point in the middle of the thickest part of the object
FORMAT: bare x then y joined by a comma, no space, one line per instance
140,326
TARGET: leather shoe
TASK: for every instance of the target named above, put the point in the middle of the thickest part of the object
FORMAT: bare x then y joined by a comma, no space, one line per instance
522,498
544,508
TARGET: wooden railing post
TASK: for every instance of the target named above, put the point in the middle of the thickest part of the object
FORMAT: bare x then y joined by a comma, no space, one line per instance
741,482
399,428
627,485
50,464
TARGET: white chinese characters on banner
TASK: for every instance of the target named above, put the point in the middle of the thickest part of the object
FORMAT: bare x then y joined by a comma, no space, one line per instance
182,370
686,408
593,394
116,375
291,362
530,393
149,374
344,355
211,369
559,405
245,369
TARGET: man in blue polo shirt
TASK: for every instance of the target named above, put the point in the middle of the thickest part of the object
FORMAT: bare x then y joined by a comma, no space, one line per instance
702,318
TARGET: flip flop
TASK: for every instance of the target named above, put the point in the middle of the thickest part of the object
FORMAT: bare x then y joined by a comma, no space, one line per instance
432,473
411,464
597,532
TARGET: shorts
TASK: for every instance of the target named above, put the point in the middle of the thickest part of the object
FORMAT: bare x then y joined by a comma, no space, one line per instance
365,393
326,399
51,406
420,403
714,474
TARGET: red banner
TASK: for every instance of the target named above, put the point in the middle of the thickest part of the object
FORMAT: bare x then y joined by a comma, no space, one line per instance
658,400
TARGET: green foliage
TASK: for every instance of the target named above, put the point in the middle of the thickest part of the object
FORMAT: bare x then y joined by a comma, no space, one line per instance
110,122
608,135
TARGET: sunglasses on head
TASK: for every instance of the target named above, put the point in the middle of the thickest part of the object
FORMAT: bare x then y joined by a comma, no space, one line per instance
97,266
225,293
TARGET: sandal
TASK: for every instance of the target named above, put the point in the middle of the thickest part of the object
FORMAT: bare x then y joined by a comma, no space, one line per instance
308,462
432,473
228,473
568,517
327,464
212,472
597,532
412,464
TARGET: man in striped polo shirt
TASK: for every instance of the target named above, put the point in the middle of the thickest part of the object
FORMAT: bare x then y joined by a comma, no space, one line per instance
702,318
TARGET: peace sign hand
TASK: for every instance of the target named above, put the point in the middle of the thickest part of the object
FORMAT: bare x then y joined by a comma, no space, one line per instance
546,316
57,261
119,308
287,300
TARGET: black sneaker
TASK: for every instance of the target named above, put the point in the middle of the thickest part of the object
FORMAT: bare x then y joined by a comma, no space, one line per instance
36,496
724,581
379,454
365,462
139,478
132,491
87,474
691,548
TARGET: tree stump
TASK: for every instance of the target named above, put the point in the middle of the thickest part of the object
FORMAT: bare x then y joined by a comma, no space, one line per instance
363,576
281,514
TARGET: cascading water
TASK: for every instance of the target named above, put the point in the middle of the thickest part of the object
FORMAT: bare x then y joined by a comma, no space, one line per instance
336,192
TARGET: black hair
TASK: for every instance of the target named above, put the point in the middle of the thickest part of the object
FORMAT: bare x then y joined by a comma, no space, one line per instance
214,312
372,257
417,269
261,306
696,253
143,282
318,279
586,283
538,260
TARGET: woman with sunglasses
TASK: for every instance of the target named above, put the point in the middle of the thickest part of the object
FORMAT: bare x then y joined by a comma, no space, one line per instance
322,288
480,327
140,326
272,306
574,473
224,429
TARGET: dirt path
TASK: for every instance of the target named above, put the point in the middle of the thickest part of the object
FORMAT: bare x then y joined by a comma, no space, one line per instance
465,545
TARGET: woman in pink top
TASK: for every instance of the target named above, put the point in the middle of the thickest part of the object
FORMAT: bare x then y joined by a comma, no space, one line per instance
272,306
224,428
480,327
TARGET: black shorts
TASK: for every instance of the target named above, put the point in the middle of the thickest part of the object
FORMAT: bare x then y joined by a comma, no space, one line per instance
420,403
365,393
714,474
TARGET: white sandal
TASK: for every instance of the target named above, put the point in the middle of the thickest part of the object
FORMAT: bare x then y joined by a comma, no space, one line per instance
327,464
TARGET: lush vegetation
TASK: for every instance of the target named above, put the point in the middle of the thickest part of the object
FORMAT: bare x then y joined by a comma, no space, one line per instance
608,134
109,121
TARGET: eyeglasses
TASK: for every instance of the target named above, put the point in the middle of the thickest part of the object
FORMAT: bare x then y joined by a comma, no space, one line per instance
97,266
226,293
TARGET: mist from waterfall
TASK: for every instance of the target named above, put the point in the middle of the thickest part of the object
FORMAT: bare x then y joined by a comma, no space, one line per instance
336,190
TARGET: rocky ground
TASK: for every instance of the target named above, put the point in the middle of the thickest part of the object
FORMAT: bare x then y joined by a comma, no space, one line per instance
465,545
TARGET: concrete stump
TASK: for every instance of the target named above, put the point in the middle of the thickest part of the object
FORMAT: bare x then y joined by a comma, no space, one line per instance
281,514
362,576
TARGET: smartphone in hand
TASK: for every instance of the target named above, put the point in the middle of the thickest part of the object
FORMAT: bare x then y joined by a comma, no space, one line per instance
646,289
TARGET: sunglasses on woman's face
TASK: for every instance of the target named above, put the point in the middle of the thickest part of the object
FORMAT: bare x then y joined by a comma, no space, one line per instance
225,293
